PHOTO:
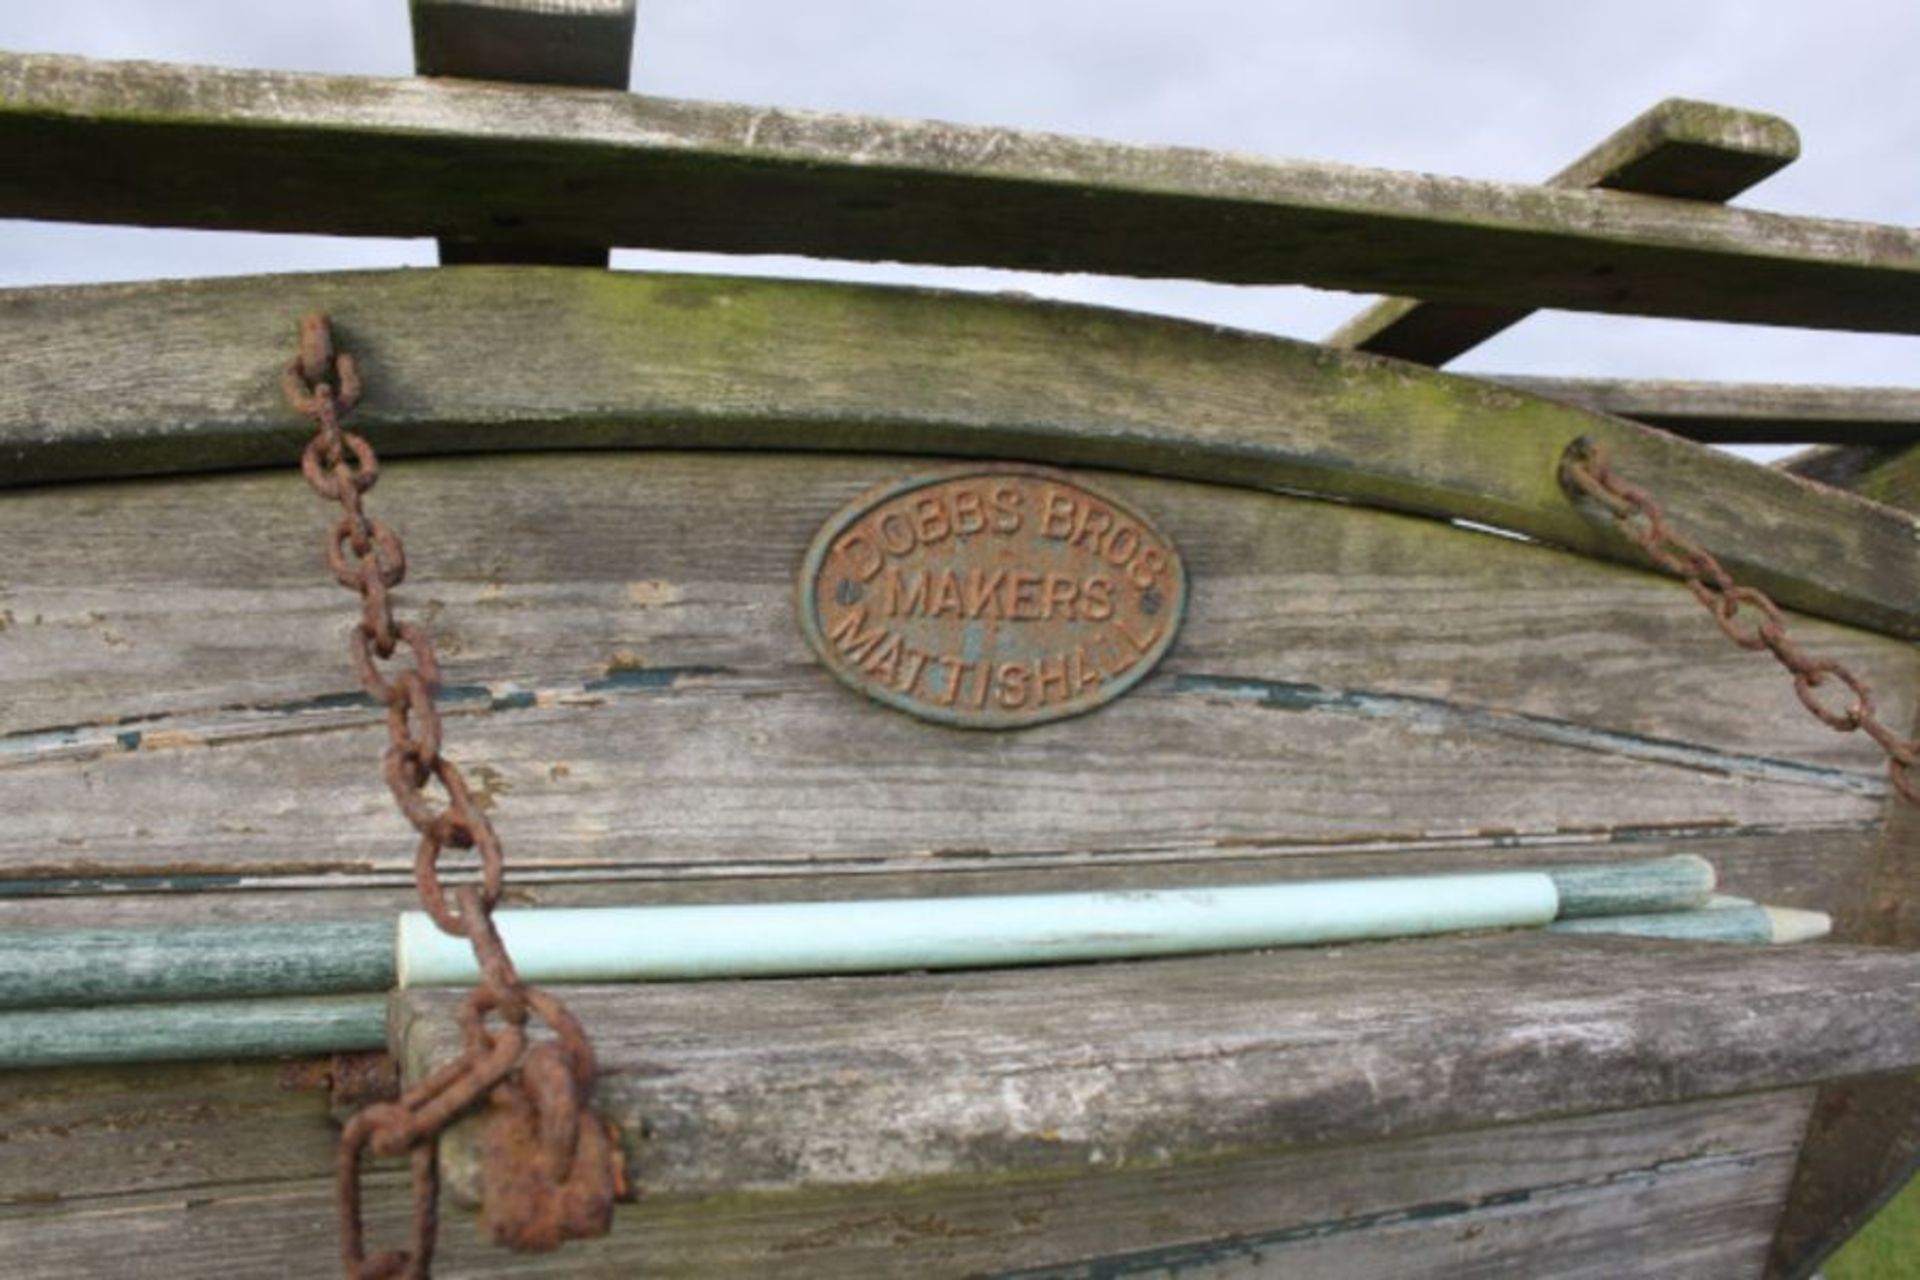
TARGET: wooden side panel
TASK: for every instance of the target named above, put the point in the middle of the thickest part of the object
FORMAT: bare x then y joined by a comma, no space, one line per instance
1679,1191
629,686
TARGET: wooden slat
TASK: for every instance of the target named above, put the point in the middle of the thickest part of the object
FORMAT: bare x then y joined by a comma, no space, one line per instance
1885,473
579,43
1678,1191
186,146
623,673
587,44
78,1135
1691,150
1744,412
1808,867
116,380
1018,1073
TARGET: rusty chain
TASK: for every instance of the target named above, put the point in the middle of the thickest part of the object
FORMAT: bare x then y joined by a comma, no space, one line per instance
1584,470
550,1166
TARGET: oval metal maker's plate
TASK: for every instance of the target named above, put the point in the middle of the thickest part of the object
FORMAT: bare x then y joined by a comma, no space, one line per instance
991,597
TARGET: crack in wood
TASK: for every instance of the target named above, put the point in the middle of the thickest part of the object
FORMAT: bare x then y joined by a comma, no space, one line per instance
1287,695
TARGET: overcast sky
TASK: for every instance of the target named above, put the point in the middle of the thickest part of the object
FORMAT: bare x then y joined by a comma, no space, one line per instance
1503,89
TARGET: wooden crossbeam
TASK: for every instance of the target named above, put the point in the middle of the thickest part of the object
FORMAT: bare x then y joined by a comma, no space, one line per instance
167,145
581,43
1743,412
1692,150
1888,473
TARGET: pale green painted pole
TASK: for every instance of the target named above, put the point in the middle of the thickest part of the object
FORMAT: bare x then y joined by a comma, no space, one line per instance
637,944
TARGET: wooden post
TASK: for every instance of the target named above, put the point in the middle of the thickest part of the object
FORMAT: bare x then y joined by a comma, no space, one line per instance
1863,1140
1692,150
587,44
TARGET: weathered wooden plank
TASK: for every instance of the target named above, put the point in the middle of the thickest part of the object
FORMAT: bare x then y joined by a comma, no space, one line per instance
1744,412
757,1084
188,146
78,1135
738,775
1806,867
1890,474
607,572
583,43
619,626
580,43
502,359
1691,150
1843,466
1695,1222
1679,1191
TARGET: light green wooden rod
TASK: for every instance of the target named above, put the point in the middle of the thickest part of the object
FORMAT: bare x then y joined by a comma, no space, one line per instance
196,1030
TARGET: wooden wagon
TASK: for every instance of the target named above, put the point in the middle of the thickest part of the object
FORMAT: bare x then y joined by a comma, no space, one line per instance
1407,646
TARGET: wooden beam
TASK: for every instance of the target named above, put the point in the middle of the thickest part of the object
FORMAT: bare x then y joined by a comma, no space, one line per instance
166,145
587,44
579,43
153,379
1743,412
1169,1061
1886,473
1690,150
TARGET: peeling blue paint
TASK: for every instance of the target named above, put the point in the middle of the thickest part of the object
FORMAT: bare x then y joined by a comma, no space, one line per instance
27,745
633,678
1287,695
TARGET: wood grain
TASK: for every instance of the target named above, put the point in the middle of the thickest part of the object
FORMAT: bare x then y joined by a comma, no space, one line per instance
758,1085
1811,868
82,1135
482,359
626,679
1691,150
1674,1191
195,146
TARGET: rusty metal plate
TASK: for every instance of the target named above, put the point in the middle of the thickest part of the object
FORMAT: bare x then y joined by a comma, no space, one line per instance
992,597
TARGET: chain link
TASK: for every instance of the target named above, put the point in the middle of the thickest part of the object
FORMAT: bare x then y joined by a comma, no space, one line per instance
551,1166
1748,617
